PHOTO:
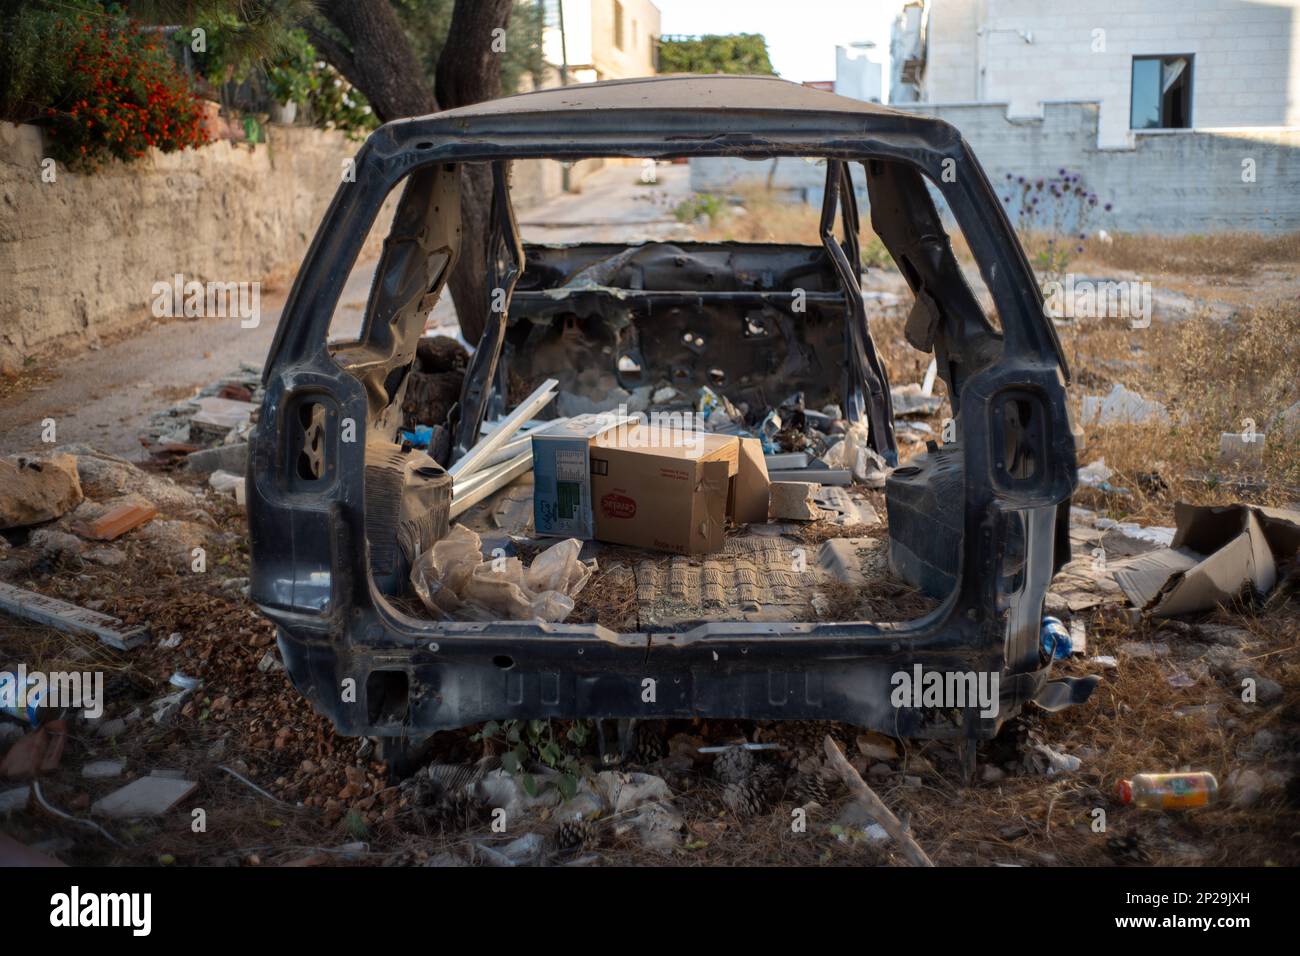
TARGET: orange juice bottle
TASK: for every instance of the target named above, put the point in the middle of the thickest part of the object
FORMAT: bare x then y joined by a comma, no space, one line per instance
1169,791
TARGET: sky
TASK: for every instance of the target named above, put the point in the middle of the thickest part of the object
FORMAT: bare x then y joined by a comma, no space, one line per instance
801,34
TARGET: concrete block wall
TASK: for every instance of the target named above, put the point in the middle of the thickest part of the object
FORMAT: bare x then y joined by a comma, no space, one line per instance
1185,181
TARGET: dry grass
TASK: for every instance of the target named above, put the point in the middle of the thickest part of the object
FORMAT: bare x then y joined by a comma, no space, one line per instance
1212,376
1218,255
26,379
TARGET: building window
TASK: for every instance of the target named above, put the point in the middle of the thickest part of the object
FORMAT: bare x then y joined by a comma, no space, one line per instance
1162,92
634,34
618,24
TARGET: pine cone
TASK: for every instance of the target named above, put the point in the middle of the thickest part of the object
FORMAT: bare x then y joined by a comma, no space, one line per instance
744,799
813,786
651,746
576,835
734,765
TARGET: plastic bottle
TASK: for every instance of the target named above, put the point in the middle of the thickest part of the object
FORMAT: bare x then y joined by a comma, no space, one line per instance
1169,791
1055,638
30,709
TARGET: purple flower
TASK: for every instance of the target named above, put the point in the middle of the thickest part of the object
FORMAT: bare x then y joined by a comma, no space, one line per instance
1107,207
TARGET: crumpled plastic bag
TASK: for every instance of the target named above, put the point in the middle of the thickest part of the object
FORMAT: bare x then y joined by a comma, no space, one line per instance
454,582
558,568
854,453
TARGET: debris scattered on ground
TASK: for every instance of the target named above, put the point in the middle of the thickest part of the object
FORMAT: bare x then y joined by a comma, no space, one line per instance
1121,406
875,806
103,769
35,753
118,520
68,617
1216,554
225,482
453,580
794,500
149,796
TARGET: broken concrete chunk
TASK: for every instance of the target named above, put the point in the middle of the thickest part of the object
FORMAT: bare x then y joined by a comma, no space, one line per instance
165,708
1122,406
53,544
232,458
36,490
843,558
105,476
106,557
149,796
225,482
793,500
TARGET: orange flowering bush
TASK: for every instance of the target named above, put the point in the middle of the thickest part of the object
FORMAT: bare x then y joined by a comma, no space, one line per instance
119,94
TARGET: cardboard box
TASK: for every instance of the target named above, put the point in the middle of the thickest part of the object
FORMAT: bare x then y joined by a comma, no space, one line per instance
562,477
671,490
1217,554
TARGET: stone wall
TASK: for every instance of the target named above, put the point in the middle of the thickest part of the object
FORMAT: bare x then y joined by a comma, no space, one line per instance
79,255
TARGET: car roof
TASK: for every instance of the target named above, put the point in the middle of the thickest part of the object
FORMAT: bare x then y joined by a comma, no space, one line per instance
685,91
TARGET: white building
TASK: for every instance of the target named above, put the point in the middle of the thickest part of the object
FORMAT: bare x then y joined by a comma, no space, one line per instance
859,72
1149,64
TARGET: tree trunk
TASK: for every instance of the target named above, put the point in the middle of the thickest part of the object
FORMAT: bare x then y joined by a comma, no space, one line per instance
378,60
469,71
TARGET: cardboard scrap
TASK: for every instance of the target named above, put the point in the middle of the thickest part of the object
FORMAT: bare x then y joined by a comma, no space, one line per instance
1216,553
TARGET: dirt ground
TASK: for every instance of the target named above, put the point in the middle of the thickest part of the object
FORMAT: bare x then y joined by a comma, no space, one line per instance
1168,704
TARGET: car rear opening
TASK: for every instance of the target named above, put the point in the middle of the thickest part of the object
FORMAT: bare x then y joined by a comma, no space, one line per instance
729,338
398,548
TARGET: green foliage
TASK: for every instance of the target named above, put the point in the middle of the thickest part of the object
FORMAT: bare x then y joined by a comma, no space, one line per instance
34,50
109,91
427,22
700,204
534,741
714,53
875,255
355,825
337,104
292,76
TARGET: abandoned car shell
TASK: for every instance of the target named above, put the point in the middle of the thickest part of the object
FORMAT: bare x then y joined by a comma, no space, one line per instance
980,522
